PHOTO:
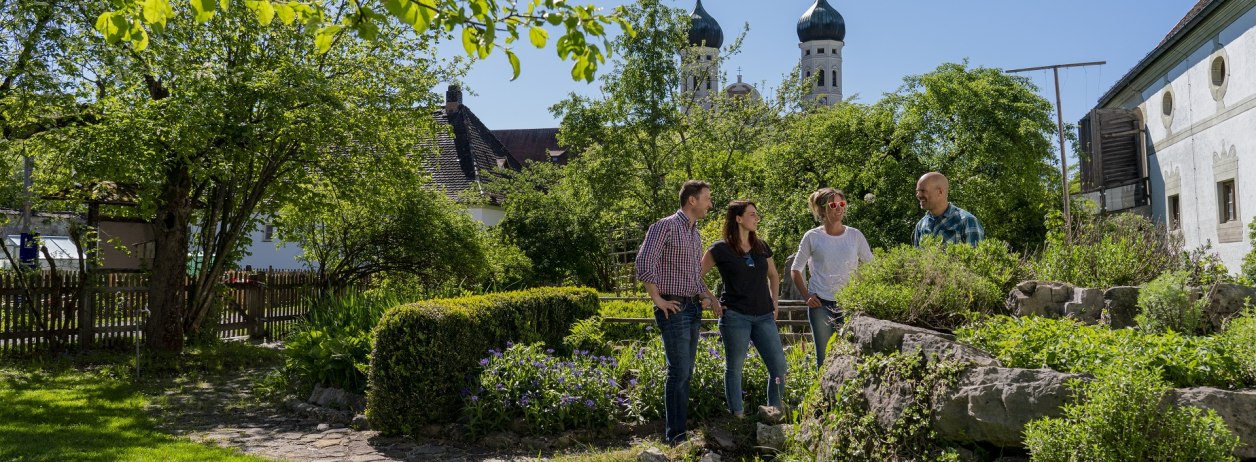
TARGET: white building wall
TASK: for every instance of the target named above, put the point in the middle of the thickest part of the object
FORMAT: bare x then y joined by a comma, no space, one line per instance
489,215
1209,127
271,254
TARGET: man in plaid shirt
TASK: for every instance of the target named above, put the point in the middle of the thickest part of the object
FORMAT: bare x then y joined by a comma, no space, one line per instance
943,219
669,264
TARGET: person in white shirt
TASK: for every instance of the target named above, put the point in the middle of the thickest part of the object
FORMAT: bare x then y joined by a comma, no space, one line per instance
831,252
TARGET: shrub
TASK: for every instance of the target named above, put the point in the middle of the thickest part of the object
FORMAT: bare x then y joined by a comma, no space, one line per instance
426,352
935,286
1123,418
331,346
843,426
1167,305
1068,346
1249,261
550,394
598,335
1105,251
1239,338
643,371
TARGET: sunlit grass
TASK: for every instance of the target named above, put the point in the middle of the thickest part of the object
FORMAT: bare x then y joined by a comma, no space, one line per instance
86,416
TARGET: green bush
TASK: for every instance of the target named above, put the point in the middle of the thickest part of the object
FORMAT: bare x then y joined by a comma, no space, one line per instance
843,426
643,371
1122,418
1105,251
427,351
1167,306
936,286
1249,261
548,393
1065,345
598,335
331,346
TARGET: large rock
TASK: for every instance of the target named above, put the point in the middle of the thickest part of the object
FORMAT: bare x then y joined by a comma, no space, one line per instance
770,436
1226,301
937,346
872,335
1055,300
1120,306
1237,408
993,404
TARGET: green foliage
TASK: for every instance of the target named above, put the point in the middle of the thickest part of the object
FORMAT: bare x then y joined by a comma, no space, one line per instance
1122,417
425,352
329,22
843,426
1064,345
1106,251
936,286
642,371
615,332
352,227
331,346
1249,260
560,232
1167,305
1204,267
548,393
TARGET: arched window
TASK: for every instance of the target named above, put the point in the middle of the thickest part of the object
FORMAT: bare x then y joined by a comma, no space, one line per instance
835,77
708,82
821,84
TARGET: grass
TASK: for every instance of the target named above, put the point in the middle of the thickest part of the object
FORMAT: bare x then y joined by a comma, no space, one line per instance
66,410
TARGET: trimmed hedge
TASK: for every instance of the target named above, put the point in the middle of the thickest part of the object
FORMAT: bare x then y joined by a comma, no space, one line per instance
425,353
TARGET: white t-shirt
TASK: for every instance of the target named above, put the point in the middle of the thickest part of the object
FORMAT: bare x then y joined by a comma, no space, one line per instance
831,259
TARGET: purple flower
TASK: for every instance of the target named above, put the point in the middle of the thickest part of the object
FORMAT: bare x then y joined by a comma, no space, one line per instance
500,387
632,382
484,362
465,391
549,351
588,403
523,401
496,354
510,344
614,384
474,398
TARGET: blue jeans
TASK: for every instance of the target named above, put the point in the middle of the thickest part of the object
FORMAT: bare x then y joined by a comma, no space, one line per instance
738,330
823,320
680,346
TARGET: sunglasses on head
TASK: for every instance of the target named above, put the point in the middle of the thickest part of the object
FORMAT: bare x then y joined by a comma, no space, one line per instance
837,204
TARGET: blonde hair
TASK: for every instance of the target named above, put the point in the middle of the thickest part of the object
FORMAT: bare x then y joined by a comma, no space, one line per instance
820,199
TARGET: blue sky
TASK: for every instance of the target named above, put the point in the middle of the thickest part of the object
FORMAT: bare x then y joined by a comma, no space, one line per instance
885,41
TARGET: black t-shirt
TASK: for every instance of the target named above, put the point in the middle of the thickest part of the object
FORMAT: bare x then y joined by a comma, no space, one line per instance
745,286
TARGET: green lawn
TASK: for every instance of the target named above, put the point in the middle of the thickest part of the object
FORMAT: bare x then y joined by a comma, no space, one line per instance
86,416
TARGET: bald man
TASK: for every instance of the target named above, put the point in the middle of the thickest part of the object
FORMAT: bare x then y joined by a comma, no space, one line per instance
942,218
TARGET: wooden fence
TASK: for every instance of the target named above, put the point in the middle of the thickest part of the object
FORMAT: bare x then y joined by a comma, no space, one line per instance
40,311
791,319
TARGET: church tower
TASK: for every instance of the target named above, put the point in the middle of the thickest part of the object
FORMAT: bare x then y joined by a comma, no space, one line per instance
821,36
700,61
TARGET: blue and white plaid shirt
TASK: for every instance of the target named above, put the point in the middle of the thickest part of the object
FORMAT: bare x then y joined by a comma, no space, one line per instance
954,225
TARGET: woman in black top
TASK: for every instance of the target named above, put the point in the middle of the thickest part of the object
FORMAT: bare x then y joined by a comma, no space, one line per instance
747,308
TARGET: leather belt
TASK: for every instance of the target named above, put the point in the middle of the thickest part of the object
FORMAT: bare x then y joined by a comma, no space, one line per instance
696,299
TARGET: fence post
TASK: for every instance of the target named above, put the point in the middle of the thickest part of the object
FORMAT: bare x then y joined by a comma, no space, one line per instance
87,309
255,301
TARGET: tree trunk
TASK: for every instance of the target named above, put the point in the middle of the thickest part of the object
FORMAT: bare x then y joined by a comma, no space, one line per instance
167,293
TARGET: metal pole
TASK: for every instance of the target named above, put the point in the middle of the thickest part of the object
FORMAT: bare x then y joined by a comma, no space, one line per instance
1059,124
1059,121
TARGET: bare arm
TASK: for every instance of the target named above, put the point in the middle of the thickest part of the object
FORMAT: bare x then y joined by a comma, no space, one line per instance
708,262
774,286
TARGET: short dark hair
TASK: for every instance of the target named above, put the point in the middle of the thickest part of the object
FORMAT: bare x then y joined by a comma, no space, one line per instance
692,188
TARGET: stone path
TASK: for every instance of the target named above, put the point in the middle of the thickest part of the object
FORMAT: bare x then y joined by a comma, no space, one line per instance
225,411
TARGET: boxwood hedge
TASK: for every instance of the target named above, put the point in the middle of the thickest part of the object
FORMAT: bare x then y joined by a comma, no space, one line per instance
425,352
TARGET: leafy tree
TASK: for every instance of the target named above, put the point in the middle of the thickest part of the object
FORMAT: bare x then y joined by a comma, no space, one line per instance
224,122
563,235
350,227
327,21
630,141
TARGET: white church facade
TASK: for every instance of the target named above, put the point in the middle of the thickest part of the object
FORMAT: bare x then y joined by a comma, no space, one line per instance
1175,138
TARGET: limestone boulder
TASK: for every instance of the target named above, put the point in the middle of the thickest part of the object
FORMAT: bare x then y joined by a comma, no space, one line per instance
993,404
1120,306
1226,301
1236,407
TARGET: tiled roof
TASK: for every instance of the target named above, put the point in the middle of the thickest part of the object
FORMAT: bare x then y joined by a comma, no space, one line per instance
1193,17
467,153
532,144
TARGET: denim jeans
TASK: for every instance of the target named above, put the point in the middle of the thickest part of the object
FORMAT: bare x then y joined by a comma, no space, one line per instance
680,346
738,331
823,320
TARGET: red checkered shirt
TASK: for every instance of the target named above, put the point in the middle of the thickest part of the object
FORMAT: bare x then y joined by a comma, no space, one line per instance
671,256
